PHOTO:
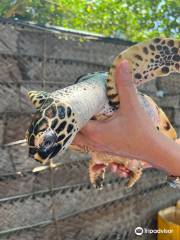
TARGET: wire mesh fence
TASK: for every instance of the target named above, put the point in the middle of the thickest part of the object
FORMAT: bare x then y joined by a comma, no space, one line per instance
60,203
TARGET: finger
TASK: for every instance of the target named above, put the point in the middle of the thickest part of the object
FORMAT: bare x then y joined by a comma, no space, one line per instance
126,88
98,167
113,167
119,169
123,174
177,140
93,129
146,165
133,164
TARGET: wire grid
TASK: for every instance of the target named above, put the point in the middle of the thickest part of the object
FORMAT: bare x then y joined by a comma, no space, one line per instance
61,204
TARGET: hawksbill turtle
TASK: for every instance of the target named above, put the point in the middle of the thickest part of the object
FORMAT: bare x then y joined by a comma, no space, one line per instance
62,113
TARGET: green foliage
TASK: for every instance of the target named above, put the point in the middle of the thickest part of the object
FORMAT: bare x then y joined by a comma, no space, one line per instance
132,19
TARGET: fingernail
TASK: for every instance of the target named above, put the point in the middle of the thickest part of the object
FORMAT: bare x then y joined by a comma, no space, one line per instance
125,62
125,66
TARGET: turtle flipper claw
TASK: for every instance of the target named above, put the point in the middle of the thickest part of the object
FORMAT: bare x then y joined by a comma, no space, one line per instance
99,183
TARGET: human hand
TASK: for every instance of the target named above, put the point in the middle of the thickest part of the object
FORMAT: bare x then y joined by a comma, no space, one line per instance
129,132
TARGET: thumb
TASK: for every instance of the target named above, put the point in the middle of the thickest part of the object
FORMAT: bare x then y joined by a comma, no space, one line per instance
125,86
93,129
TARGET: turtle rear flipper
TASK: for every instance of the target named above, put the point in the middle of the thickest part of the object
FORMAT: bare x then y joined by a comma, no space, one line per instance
134,177
96,173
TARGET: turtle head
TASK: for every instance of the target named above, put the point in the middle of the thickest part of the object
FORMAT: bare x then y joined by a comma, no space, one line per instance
52,129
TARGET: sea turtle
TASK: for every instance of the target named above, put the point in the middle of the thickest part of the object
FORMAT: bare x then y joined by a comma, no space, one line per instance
61,114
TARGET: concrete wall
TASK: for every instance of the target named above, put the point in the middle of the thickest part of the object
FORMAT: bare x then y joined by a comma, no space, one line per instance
61,204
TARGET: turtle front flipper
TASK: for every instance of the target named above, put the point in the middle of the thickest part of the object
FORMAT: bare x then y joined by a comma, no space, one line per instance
147,60
96,172
134,177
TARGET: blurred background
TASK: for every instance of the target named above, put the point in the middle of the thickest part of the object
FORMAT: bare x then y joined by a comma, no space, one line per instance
46,45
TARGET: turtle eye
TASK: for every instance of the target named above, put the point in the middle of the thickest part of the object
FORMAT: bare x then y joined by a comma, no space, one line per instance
61,112
50,139
48,143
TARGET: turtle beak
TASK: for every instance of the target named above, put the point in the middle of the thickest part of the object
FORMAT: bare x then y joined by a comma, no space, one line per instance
38,158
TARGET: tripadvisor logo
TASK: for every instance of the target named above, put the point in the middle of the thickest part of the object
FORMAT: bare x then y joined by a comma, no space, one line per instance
140,231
